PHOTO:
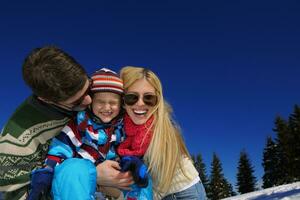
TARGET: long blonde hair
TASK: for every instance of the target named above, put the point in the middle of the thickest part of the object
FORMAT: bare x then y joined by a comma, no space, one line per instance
167,146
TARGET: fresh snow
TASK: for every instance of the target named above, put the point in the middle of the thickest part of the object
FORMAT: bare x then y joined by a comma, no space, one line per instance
283,192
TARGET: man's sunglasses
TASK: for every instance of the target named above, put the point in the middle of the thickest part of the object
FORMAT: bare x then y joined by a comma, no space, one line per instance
79,101
131,98
74,106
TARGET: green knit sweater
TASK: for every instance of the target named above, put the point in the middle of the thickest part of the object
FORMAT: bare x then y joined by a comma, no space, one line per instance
24,142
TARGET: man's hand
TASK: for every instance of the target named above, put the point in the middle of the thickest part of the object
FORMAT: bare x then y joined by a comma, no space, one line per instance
109,174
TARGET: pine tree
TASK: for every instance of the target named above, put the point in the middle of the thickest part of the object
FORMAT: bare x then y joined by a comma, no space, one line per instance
284,156
193,158
294,145
270,164
283,142
218,186
245,178
201,168
230,189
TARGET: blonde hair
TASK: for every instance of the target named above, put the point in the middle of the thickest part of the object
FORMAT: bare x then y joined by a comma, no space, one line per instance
167,146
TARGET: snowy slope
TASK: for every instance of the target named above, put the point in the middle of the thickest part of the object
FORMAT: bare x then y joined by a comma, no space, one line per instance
283,192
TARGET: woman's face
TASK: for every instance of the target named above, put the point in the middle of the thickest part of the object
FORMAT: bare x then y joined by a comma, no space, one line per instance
106,105
140,111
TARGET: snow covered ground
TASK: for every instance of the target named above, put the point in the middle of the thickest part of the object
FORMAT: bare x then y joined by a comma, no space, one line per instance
283,192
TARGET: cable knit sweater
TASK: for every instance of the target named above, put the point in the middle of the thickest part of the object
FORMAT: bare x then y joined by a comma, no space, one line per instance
24,141
181,182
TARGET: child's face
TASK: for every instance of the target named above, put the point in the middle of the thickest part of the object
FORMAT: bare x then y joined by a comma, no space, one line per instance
106,105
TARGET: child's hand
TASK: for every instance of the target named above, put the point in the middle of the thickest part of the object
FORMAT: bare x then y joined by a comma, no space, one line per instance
138,169
41,180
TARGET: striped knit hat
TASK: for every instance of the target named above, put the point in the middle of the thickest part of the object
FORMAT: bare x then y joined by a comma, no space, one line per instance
106,80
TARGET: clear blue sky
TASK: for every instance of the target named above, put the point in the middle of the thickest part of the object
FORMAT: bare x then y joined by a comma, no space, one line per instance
227,67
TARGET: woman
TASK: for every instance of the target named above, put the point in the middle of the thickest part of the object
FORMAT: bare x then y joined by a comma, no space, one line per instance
170,166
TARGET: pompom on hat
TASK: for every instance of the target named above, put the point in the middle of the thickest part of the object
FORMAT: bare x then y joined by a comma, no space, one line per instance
106,80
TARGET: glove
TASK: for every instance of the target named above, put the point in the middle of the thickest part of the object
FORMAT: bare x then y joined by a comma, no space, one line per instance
137,168
41,180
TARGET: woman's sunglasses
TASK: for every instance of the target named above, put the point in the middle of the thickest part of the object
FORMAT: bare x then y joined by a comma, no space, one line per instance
131,98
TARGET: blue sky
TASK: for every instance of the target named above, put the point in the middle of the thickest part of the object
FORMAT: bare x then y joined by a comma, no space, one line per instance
228,67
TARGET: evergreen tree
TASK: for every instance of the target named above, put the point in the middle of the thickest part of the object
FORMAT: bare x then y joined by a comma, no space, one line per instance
283,142
294,145
193,158
245,178
281,160
201,168
218,186
270,164
230,189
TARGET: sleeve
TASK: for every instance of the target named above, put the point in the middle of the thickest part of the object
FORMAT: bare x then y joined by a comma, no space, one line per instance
64,145
61,148
15,170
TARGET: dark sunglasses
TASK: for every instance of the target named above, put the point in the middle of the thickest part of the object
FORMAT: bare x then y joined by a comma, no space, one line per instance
82,97
76,104
131,99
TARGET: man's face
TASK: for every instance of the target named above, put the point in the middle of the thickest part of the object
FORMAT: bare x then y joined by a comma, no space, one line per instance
79,101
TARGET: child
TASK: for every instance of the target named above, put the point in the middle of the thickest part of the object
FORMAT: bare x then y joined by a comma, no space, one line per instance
94,134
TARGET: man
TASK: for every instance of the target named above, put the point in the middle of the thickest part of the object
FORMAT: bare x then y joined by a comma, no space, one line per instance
60,87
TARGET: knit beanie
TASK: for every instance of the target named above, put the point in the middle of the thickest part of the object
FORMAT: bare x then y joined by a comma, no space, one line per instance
106,80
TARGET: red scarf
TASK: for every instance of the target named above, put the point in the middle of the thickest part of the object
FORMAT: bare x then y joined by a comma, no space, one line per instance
138,137
133,129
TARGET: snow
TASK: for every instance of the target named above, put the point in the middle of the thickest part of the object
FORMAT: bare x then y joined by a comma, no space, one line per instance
283,192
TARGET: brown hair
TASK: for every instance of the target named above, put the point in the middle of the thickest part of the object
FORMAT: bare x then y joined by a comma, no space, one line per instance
53,74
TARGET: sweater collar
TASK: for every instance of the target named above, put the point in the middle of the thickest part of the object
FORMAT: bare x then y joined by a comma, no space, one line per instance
49,108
